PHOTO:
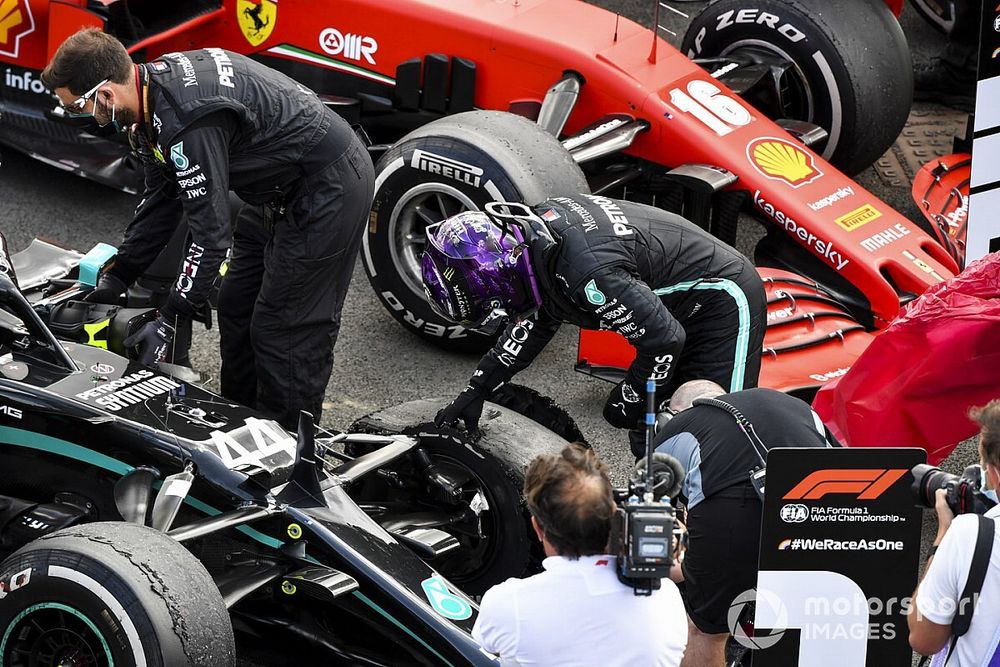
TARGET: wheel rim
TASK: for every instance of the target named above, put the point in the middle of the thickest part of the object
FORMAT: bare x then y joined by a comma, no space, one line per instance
54,635
792,88
477,553
419,207
478,547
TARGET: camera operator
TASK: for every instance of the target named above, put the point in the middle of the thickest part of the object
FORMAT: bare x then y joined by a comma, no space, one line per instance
940,596
577,612
724,508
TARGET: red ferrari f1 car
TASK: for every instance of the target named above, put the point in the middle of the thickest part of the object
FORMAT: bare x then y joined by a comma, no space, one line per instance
469,101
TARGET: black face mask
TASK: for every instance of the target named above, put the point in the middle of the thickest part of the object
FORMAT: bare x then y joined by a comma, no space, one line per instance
90,125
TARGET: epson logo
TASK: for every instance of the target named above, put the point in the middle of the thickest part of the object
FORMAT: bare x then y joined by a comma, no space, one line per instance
351,46
447,167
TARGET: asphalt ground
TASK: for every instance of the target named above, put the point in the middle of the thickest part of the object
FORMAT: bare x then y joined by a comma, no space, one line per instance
377,362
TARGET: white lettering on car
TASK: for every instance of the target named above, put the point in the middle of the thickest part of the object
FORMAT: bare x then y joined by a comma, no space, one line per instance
351,46
267,438
885,237
823,248
137,393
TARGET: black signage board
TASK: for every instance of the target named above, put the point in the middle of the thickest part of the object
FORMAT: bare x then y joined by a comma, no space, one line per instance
982,234
839,557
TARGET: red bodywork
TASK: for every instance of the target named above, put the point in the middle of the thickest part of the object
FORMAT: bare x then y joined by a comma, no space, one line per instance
520,48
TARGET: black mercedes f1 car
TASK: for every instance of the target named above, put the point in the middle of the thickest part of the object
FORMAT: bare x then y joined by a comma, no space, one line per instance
147,521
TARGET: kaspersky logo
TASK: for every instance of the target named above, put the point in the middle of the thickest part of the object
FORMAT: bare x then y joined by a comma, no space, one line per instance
16,21
864,484
782,160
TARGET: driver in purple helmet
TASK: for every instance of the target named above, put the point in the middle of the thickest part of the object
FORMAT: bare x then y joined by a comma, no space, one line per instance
692,306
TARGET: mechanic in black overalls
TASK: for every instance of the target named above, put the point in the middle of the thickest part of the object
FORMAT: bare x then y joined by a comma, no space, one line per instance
717,453
692,306
207,122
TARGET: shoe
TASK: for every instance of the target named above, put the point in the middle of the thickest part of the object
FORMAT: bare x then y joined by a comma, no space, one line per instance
942,82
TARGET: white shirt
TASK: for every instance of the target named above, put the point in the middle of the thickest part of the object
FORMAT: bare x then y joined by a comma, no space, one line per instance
577,613
937,597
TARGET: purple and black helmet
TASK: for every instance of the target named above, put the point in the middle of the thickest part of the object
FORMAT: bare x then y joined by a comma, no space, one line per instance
475,274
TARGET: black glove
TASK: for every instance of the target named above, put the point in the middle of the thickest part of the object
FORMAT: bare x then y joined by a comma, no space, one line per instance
154,340
623,409
109,290
468,406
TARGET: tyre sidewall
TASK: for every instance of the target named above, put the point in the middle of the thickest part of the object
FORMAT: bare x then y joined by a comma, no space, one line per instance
793,35
807,36
94,595
485,181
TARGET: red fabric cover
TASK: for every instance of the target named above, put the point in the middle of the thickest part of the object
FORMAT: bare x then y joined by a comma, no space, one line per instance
916,381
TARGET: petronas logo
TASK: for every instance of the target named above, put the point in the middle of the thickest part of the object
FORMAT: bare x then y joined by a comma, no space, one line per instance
443,601
594,295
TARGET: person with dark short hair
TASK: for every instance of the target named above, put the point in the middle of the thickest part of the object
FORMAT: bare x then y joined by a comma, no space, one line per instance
942,593
577,612
203,123
723,508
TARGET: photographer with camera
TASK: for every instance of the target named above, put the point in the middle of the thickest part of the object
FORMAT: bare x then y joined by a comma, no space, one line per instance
577,612
957,604
721,441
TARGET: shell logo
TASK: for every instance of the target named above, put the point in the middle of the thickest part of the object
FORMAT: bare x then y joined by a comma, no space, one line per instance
16,21
782,160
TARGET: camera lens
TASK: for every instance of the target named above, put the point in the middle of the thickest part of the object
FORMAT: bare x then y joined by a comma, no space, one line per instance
926,480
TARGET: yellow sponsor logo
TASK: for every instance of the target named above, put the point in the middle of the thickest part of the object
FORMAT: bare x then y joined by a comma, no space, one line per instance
858,217
15,22
97,333
256,19
782,161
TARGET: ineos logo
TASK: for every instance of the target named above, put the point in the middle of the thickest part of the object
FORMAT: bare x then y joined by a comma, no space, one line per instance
351,46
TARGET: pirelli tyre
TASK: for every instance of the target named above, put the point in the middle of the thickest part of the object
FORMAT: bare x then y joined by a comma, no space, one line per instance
105,594
457,163
846,66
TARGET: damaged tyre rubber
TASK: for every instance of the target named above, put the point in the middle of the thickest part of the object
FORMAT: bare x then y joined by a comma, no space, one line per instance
105,594
451,165
540,409
843,63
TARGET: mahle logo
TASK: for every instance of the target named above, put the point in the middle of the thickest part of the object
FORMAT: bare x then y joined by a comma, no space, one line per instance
781,160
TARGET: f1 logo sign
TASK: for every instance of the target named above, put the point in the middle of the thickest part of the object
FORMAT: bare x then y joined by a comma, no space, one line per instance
866,484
